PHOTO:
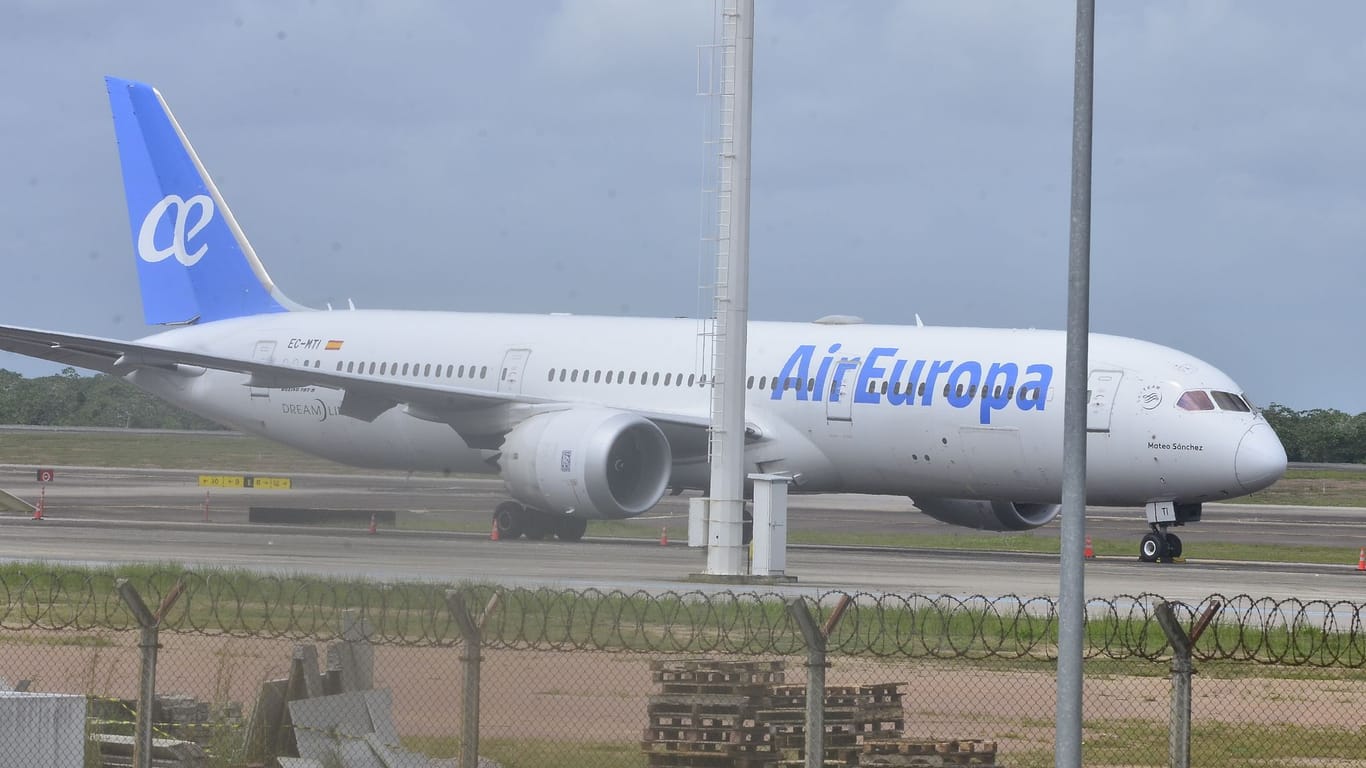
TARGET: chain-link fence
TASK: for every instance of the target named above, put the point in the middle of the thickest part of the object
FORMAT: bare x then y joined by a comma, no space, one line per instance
254,670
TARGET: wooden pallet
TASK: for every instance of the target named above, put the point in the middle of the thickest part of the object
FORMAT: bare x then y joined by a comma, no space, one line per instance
915,753
683,760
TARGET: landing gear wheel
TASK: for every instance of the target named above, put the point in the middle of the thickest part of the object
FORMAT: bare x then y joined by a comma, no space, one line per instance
509,517
538,525
1173,546
1152,549
570,528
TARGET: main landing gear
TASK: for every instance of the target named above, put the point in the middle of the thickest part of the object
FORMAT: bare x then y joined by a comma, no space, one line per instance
513,520
1160,545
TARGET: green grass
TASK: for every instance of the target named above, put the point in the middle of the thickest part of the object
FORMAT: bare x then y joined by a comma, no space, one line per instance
207,450
1313,488
1213,745
229,452
515,753
240,603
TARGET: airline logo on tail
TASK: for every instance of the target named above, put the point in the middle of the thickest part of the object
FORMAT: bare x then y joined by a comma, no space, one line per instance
181,230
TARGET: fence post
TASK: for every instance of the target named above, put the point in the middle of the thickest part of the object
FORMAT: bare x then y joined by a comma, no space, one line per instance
816,638
472,635
149,628
1183,646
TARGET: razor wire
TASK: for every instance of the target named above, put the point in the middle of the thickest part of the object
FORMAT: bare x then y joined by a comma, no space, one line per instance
1315,633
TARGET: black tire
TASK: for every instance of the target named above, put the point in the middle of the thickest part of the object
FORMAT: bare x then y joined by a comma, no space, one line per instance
537,525
509,517
569,528
1152,548
1173,546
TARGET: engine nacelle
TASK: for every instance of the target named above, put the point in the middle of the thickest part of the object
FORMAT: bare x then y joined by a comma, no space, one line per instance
594,462
988,515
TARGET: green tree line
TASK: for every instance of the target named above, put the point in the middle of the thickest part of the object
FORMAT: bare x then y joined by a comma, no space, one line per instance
68,399
1319,434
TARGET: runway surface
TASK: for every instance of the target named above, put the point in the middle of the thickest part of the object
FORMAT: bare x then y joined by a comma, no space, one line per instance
111,516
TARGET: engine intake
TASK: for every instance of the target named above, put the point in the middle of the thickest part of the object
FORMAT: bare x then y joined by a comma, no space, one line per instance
594,462
988,515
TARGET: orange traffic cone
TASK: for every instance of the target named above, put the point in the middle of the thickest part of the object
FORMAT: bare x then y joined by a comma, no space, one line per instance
1361,558
1088,553
493,535
664,536
42,498
372,523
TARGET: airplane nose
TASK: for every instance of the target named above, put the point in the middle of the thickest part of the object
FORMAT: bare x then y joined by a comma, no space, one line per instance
1260,460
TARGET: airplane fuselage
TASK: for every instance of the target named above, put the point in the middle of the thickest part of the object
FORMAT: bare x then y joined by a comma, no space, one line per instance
918,411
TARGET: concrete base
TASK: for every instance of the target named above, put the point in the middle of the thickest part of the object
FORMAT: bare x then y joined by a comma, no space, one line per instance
743,578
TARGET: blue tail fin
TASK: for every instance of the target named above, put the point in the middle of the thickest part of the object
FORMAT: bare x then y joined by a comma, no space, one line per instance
194,263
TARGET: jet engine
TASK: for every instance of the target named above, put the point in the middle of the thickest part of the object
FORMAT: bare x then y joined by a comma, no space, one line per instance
594,462
988,515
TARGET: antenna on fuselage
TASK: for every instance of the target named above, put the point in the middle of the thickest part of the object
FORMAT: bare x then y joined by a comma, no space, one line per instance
918,323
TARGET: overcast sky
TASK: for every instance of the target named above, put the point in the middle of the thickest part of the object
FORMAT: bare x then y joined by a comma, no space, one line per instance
909,157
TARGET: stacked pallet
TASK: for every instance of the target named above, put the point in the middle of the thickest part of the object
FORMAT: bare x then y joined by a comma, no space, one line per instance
705,714
853,716
912,753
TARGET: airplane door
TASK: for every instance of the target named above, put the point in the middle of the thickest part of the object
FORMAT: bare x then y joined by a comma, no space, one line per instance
264,353
839,406
514,364
1102,387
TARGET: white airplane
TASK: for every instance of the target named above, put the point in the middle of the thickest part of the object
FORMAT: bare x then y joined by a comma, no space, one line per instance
597,417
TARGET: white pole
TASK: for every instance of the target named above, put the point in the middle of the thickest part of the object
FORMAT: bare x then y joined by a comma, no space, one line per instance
725,551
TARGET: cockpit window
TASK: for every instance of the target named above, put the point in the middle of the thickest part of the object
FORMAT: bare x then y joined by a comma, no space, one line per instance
1228,401
1195,400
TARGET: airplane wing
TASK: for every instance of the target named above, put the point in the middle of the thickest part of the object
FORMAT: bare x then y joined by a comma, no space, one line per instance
480,417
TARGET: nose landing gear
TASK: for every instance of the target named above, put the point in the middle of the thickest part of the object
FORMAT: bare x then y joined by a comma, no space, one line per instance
1160,545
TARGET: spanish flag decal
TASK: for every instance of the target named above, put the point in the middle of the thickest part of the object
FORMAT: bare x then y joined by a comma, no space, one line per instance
334,345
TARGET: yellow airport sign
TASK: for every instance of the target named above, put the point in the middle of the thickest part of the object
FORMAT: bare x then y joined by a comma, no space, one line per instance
245,481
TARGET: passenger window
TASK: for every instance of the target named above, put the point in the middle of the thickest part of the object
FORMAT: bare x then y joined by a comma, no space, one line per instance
551,376
668,378
449,370
382,368
574,375
372,369
351,367
633,377
405,369
692,378
921,391
427,369
1194,400
749,383
563,374
484,372
810,385
1228,401
597,377
763,382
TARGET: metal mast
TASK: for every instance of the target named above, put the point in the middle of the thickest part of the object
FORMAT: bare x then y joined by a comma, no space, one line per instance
726,449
